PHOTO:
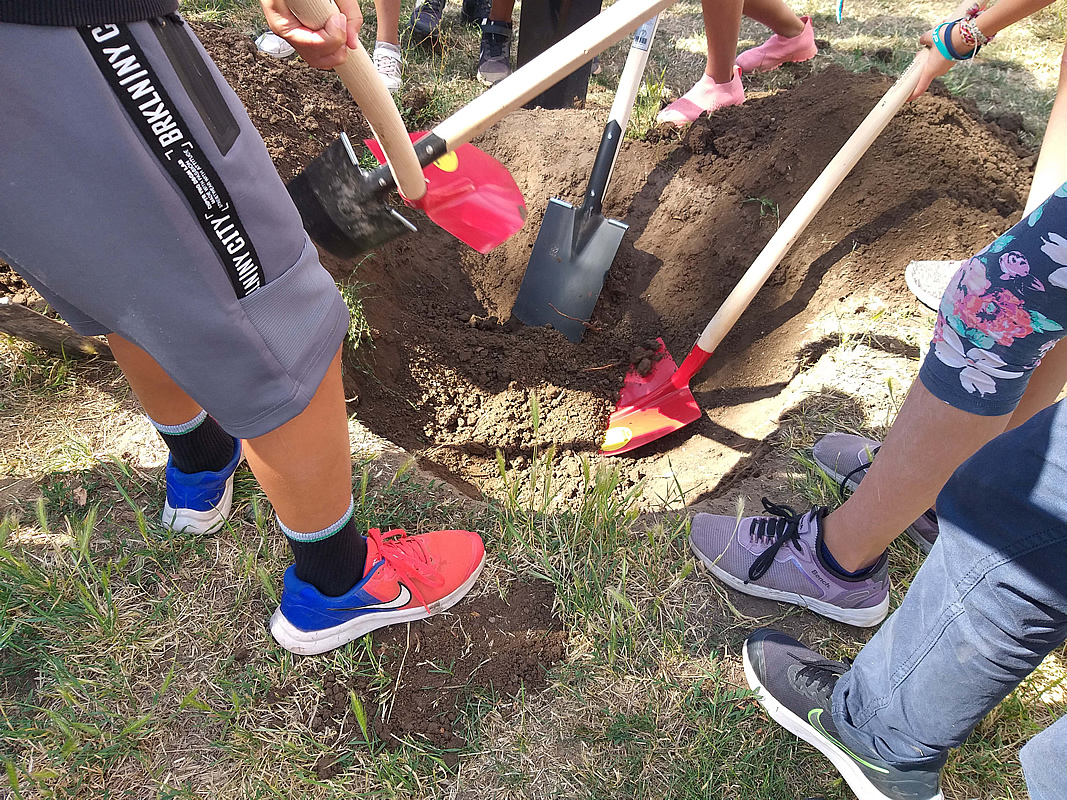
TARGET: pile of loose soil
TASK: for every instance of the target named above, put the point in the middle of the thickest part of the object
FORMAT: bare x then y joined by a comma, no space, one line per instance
449,375
430,670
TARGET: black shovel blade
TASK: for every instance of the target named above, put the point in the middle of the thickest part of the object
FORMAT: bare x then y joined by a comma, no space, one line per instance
570,258
344,210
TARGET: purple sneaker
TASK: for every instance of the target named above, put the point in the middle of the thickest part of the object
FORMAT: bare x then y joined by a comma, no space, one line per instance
845,458
777,557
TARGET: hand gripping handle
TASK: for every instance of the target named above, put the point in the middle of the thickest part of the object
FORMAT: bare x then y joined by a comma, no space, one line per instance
361,79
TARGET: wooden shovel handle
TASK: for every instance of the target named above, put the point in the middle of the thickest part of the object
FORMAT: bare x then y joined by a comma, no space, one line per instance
560,59
361,79
816,196
813,200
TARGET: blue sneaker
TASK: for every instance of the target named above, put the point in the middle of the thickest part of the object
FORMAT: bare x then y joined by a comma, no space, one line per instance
199,502
407,578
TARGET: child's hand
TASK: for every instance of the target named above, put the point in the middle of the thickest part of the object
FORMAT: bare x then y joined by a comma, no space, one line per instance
325,48
935,66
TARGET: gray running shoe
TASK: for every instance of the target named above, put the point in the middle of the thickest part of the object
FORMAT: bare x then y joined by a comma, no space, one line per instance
494,56
474,11
928,280
777,557
795,686
425,22
845,458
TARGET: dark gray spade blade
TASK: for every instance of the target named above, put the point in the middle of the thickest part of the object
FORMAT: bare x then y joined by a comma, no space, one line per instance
572,254
343,208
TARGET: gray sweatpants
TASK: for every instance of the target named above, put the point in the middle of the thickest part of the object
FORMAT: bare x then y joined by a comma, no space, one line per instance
138,198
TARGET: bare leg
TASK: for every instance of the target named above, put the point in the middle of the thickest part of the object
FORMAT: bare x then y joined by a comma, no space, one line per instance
160,396
1046,383
502,10
1050,171
387,15
304,466
722,24
906,477
908,474
776,15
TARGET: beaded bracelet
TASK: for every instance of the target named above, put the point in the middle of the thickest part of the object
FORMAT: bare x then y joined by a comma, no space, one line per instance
972,34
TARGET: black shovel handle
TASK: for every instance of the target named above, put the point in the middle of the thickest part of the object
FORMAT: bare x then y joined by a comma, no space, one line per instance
610,141
428,149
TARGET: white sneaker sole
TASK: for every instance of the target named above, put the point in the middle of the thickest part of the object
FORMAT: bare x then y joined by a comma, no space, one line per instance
311,643
843,763
186,520
860,617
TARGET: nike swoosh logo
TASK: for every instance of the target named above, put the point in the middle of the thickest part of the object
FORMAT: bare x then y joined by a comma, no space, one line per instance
402,598
815,722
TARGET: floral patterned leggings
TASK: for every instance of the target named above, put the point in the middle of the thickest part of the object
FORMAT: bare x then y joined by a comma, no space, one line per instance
1001,312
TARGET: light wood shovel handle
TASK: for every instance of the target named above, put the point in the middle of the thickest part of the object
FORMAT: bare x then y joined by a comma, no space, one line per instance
562,58
813,200
361,79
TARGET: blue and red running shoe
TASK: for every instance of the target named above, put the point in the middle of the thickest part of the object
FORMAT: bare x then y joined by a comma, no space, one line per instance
407,578
199,502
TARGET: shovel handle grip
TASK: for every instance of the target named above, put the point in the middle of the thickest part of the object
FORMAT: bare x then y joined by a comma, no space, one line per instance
619,118
361,79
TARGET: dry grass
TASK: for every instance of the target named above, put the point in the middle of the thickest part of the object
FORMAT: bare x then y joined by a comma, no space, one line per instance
135,663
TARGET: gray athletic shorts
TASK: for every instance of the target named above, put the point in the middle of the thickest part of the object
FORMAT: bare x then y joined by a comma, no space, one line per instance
138,198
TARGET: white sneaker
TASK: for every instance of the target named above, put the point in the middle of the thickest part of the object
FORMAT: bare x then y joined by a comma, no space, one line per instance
274,46
387,61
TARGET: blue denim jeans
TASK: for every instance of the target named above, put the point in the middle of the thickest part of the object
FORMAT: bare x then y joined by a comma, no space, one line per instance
988,604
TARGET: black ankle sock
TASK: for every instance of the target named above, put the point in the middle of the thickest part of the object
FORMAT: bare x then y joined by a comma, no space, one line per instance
831,562
206,447
332,565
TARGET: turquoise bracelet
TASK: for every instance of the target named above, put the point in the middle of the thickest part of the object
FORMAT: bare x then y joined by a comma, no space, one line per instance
944,43
939,42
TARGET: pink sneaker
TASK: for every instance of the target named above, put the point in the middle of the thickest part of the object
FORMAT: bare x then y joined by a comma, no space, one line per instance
778,50
703,98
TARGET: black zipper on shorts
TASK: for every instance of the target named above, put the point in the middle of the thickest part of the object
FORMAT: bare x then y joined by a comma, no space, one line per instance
195,76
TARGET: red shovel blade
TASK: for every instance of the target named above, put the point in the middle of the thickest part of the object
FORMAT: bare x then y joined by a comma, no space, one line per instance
650,406
470,194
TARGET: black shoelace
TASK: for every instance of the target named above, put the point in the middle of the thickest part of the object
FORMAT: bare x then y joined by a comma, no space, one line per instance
817,680
861,468
493,45
777,531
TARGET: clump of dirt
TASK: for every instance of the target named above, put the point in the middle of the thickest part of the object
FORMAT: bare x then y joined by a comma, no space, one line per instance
450,376
13,286
297,110
426,673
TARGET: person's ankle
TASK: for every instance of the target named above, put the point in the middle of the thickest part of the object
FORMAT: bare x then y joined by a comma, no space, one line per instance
842,550
793,32
334,559
709,78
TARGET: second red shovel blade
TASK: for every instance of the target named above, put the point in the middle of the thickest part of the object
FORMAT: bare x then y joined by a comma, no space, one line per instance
470,194
649,407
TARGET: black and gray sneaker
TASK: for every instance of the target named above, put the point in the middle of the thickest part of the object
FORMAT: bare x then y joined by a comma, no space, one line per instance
494,57
425,22
795,686
474,11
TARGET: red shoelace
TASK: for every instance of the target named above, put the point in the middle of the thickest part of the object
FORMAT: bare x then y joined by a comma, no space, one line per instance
406,556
